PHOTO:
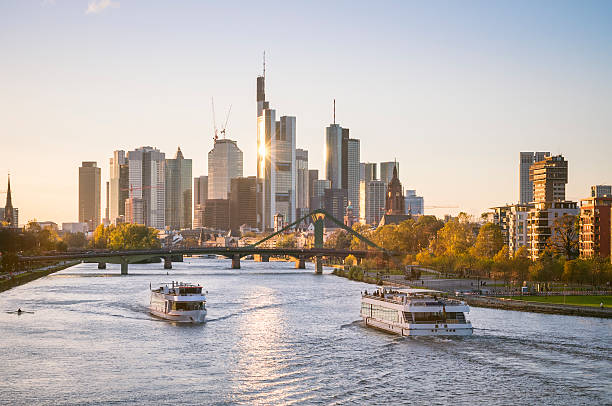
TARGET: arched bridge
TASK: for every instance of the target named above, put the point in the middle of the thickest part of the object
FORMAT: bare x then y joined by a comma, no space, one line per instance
125,257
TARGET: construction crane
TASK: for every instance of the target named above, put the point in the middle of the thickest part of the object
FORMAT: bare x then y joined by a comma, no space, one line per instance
441,207
132,188
223,129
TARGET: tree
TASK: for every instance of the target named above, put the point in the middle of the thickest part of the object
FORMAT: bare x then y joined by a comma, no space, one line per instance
366,231
489,241
340,240
455,238
520,264
502,264
286,241
75,240
564,236
133,236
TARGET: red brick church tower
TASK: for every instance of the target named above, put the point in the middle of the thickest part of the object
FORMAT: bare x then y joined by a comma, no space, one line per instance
394,202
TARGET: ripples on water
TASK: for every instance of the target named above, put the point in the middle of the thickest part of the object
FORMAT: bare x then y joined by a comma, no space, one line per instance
278,335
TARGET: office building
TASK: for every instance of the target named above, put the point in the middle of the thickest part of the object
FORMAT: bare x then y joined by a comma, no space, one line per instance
334,203
414,205
313,175
217,214
276,172
243,203
200,195
75,228
178,192
302,200
351,167
368,171
549,177
318,192
333,155
224,164
135,210
601,190
147,182
372,201
119,185
527,159
386,171
89,194
595,227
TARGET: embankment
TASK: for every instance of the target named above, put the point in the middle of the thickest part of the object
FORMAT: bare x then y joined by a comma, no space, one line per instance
26,277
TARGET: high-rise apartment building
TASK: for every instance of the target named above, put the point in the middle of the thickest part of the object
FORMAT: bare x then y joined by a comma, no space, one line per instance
243,203
595,227
525,184
224,164
302,200
386,171
601,190
89,194
368,171
541,221
549,177
517,226
178,192
415,205
276,174
147,182
200,195
372,204
119,185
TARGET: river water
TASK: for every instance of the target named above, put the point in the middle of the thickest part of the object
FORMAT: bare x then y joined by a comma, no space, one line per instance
276,335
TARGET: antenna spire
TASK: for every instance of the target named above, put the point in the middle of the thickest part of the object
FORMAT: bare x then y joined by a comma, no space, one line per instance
334,111
264,64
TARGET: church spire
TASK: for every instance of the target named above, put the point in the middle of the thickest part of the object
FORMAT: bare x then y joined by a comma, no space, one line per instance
9,202
8,208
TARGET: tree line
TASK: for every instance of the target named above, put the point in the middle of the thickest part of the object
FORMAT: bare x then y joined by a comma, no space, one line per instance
465,248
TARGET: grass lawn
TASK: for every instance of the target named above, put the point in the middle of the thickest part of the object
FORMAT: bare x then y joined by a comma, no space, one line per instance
570,300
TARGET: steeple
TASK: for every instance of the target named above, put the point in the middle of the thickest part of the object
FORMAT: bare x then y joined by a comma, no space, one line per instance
8,208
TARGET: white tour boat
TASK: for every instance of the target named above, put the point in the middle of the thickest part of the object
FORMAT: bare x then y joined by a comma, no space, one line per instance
180,302
415,312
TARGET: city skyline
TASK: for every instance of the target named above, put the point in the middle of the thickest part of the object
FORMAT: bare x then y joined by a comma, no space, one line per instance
485,118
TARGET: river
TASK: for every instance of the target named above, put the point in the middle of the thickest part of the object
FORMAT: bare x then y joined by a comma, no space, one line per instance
277,335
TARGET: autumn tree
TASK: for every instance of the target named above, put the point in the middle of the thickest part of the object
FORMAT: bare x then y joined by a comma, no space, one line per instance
564,236
489,241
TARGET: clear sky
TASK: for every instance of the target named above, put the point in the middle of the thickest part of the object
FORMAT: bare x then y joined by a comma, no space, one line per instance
452,90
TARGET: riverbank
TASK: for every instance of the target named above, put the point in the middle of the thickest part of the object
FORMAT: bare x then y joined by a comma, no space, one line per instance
30,276
493,302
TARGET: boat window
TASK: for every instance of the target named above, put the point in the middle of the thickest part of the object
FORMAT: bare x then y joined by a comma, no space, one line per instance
187,305
190,290
379,312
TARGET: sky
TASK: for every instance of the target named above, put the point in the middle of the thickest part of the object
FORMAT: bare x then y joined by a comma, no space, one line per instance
452,90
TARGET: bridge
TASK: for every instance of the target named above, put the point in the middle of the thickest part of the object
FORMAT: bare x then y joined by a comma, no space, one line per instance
318,251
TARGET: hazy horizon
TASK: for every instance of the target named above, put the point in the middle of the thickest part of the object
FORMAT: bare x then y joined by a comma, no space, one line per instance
452,92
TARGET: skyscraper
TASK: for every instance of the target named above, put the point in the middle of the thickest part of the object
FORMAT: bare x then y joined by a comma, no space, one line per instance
224,164
276,174
243,203
302,200
178,192
353,177
89,194
333,155
368,171
372,205
318,191
119,185
147,182
200,195
525,184
334,203
414,204
313,174
386,171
